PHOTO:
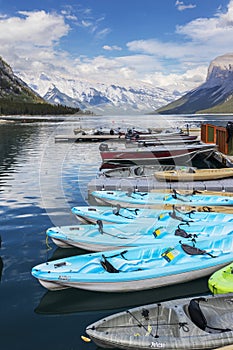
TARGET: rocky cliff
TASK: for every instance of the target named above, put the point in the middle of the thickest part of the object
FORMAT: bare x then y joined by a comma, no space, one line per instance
214,96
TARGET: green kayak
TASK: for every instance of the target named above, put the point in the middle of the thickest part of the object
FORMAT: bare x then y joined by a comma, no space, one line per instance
221,281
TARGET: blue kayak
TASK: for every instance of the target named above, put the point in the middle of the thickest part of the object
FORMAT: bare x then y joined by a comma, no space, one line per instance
139,268
102,237
148,199
90,214
107,214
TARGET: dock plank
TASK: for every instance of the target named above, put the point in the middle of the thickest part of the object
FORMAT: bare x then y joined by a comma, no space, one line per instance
149,184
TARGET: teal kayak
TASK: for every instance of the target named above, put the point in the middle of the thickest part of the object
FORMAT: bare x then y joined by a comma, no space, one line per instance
148,199
138,268
119,215
102,237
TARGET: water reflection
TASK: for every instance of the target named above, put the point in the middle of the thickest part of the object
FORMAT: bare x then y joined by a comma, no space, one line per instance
76,300
13,139
1,268
60,253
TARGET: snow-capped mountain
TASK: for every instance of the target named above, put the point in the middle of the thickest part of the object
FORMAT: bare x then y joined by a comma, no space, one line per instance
215,95
56,97
99,97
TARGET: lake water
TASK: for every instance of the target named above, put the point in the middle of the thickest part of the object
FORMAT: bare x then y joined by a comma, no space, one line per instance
40,181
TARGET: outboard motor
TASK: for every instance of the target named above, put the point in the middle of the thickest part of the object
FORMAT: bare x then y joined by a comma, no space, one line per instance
229,128
103,147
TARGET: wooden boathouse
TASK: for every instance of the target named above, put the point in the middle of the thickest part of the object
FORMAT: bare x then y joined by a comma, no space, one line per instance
220,135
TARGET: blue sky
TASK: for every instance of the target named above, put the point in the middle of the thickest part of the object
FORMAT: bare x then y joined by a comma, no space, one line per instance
160,42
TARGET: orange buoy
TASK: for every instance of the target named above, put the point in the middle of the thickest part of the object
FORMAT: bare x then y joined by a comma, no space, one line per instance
86,339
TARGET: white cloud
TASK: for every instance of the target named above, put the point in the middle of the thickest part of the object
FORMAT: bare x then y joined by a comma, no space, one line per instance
67,13
35,37
201,40
157,48
32,28
3,16
29,41
87,20
112,48
100,34
86,23
218,27
181,82
181,6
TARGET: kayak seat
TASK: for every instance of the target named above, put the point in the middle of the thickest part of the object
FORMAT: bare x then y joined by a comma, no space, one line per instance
122,265
182,233
192,250
199,319
108,266
181,198
174,216
116,211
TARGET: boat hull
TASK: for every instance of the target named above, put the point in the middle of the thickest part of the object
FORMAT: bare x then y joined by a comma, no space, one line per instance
195,175
143,156
61,243
169,325
133,285
90,246
53,286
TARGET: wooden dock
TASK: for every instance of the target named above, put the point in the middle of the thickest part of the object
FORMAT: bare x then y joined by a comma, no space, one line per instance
79,137
149,184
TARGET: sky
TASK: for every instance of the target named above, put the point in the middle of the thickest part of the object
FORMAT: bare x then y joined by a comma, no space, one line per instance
165,43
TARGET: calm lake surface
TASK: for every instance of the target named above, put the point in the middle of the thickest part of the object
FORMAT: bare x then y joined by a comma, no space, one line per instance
40,181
